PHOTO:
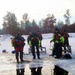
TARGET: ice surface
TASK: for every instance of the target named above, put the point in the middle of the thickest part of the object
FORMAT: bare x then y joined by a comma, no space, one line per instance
8,64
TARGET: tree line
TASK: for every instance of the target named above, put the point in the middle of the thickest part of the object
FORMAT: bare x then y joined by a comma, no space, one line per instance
46,25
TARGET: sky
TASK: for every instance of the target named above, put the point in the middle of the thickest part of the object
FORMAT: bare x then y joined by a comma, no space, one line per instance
36,9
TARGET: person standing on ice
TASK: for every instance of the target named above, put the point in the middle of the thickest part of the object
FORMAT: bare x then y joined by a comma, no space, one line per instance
28,38
34,41
58,41
40,37
66,40
18,44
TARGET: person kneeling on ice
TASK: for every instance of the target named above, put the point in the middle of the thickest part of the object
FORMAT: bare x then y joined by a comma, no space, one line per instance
18,44
58,41
34,41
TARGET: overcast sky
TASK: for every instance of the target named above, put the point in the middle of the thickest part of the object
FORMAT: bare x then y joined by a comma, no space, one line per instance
36,9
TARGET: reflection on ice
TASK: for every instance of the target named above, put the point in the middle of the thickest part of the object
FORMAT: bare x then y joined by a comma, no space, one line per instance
20,69
8,66
36,71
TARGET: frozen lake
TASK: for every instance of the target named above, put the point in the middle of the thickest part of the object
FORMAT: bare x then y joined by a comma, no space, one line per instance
5,42
8,64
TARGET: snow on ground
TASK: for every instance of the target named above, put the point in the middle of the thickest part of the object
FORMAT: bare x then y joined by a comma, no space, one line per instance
5,42
7,66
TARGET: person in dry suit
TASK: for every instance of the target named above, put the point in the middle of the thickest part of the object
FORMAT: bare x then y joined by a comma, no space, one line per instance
34,43
58,41
29,36
18,44
40,37
66,39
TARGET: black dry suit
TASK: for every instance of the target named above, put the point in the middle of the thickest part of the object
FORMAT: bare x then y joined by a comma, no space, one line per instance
34,42
58,41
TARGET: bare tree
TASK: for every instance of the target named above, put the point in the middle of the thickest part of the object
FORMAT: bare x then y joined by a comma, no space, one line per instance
10,23
67,17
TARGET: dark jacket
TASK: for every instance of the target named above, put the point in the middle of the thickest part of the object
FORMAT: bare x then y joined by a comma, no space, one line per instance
34,39
39,35
18,43
65,35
